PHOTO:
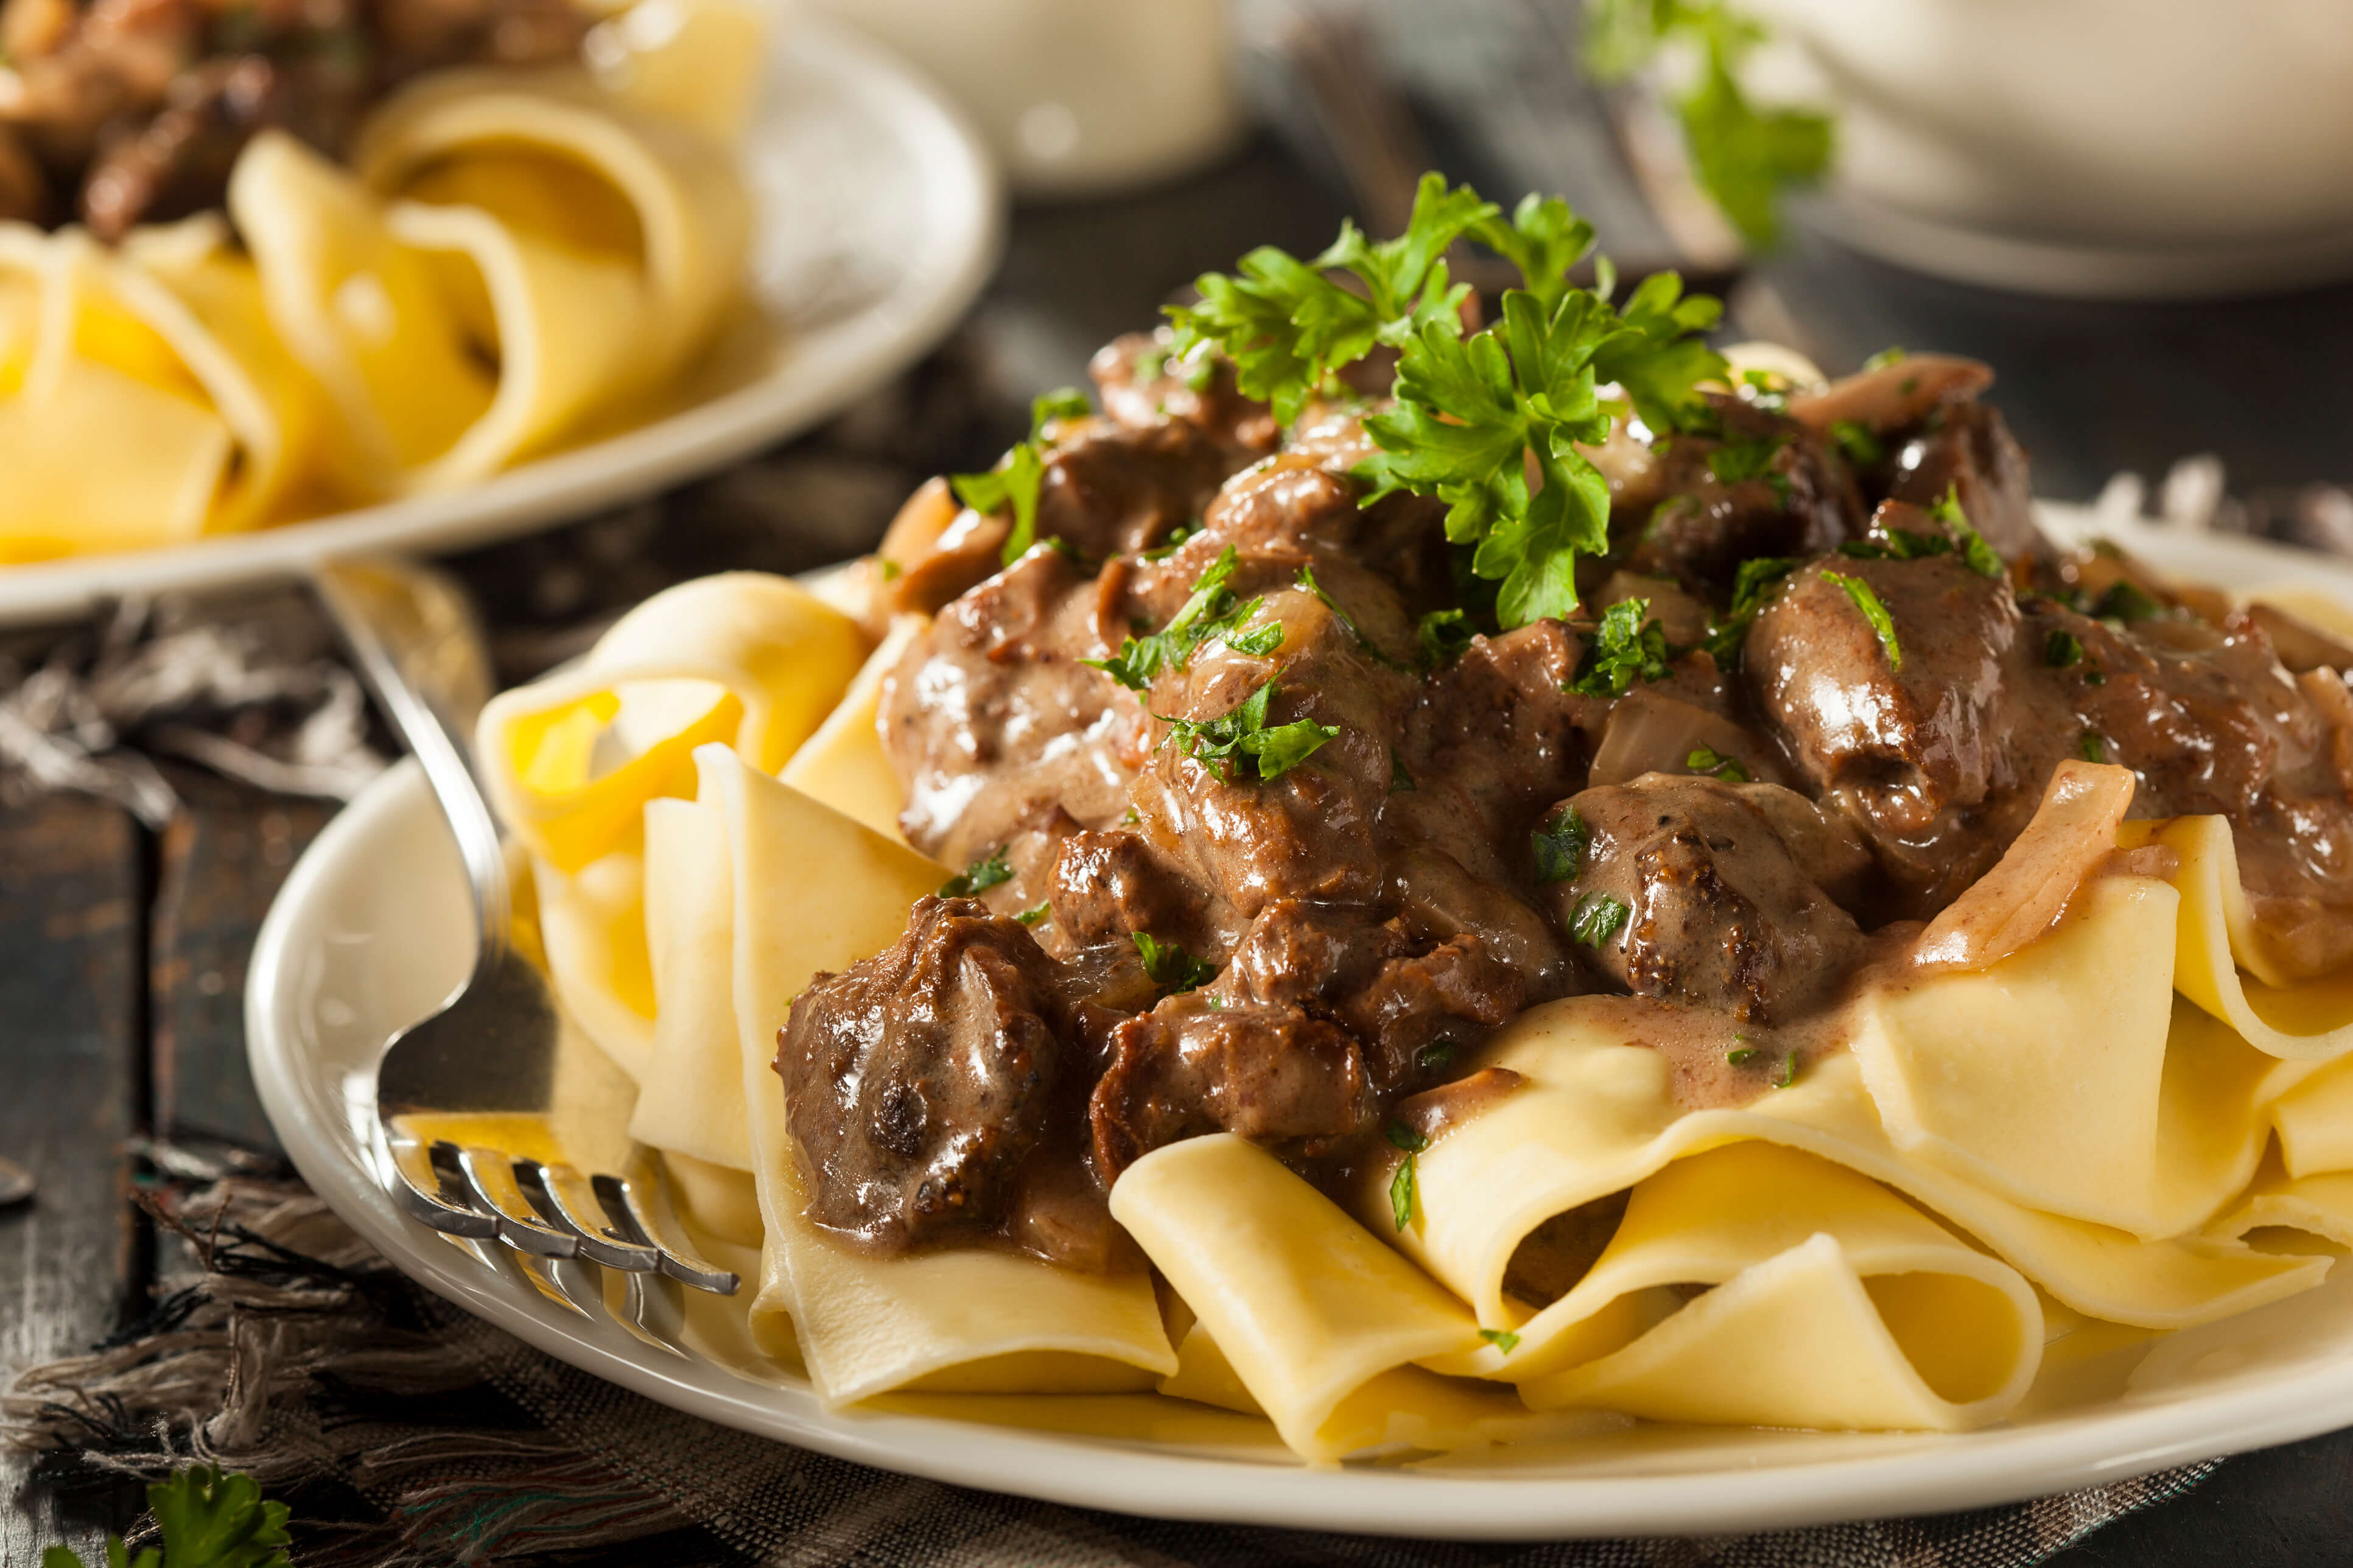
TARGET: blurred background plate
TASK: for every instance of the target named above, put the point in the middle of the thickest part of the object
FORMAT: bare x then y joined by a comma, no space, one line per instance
878,221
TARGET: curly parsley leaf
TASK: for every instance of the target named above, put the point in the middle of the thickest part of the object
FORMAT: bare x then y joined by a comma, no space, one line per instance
1288,327
1743,155
979,877
1169,967
208,1520
1017,482
1243,744
1625,647
1558,846
1882,625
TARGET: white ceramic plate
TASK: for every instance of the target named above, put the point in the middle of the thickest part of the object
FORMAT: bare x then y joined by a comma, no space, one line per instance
879,218
373,931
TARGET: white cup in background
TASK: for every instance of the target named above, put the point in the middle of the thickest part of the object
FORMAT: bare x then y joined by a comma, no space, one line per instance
1077,97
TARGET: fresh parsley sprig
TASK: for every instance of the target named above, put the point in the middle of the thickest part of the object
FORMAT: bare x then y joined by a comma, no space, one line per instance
1744,157
208,1520
1474,414
1018,482
1627,646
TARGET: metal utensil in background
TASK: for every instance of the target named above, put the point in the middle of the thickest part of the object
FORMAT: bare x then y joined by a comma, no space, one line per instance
16,1184
491,1051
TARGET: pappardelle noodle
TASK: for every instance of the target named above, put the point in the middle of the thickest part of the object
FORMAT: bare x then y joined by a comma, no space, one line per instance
1440,871
348,262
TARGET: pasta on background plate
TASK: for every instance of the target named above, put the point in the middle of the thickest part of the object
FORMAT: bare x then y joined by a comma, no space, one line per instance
512,260
1160,928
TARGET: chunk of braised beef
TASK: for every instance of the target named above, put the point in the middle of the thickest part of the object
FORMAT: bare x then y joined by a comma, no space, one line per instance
1110,884
1760,485
1702,891
922,1083
1454,993
1274,1075
1110,488
1938,761
1141,385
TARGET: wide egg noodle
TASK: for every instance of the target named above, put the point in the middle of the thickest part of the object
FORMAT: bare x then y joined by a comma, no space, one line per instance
2042,1076
1878,1318
693,61
843,763
691,1096
138,409
1317,1317
361,311
592,927
1598,1114
815,890
2312,1020
550,156
745,658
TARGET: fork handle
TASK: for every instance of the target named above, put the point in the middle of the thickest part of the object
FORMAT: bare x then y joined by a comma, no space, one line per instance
417,648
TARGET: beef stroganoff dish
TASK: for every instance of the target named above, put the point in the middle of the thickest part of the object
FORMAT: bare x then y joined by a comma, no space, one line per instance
1437,870
262,261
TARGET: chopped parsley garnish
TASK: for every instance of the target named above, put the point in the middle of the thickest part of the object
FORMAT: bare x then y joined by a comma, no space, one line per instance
1306,581
891,570
1015,483
1170,966
1737,462
2127,600
1403,1185
2091,746
1034,917
1596,919
1435,1055
1743,154
1882,625
1243,744
1742,1056
1789,1073
2062,651
1625,647
1756,578
1401,781
1896,544
979,877
1559,848
1861,447
1716,765
1168,546
1212,611
1889,355
1502,1339
1474,413
1444,636
1976,553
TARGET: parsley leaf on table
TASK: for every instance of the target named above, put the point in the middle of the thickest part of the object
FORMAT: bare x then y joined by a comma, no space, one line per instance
1018,482
208,1520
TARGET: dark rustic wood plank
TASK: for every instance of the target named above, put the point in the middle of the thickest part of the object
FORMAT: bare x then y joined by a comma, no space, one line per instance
218,866
72,908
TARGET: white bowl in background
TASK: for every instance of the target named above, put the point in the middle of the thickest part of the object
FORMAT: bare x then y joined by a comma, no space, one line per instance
2146,148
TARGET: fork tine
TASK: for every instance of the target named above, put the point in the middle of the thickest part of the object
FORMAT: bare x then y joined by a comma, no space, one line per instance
639,1212
433,1189
491,1177
565,1199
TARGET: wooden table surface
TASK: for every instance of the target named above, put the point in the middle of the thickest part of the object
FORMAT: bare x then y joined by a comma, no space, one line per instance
123,951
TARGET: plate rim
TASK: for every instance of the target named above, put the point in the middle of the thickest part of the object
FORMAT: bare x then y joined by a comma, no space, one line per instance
965,238
2001,1464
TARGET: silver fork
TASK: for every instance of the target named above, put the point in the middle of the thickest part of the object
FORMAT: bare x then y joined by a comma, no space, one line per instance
492,1048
